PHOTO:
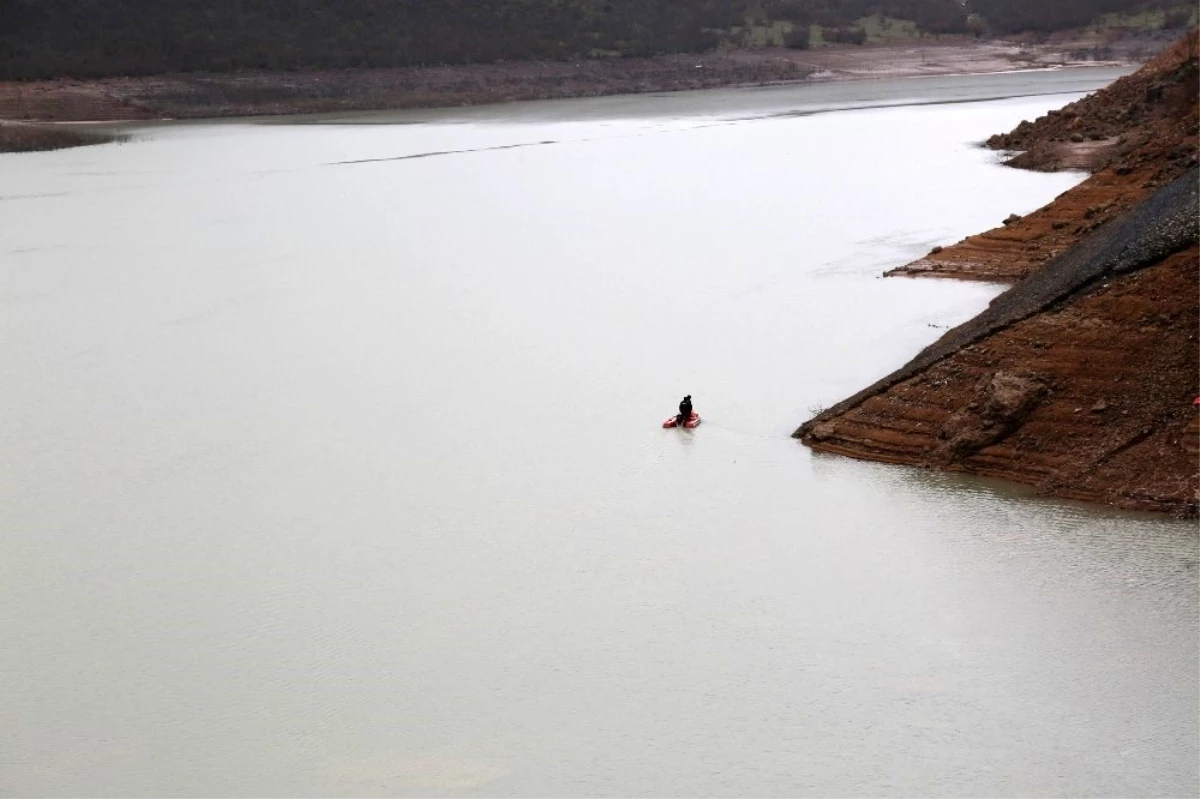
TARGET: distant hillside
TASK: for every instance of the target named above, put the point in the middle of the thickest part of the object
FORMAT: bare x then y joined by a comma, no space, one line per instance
1047,16
95,38
91,38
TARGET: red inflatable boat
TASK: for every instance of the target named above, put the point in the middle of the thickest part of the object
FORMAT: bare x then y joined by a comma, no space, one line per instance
692,421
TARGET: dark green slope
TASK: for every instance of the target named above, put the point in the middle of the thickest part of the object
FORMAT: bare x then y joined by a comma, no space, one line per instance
93,38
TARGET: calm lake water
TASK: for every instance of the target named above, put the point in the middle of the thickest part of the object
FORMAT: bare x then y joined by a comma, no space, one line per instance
333,467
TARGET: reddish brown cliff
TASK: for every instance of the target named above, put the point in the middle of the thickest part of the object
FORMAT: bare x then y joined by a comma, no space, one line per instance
1080,379
1135,135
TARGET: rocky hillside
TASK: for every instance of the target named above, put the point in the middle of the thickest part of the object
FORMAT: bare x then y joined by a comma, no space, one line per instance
1080,379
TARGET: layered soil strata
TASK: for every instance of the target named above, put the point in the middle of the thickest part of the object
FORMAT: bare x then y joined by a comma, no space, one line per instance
1089,400
1080,379
1135,135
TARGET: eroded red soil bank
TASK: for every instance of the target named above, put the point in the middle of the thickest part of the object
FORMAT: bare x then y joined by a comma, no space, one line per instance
1135,135
1080,380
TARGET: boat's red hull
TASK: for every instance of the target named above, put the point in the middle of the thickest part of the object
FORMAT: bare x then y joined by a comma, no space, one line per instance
692,421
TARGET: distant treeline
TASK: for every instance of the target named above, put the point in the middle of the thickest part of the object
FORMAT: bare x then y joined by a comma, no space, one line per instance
95,37
1046,16
930,16
92,38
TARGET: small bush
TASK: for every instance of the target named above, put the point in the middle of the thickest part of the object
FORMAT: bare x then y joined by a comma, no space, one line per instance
1174,20
846,35
799,38
977,26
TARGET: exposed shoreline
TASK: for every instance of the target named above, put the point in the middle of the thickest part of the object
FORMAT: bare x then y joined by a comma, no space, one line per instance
1079,380
34,104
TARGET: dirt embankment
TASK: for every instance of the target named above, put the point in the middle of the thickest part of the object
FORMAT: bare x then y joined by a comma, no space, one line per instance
260,93
1135,135
1080,379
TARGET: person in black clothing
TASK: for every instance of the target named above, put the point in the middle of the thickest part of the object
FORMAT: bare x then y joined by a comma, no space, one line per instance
685,411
